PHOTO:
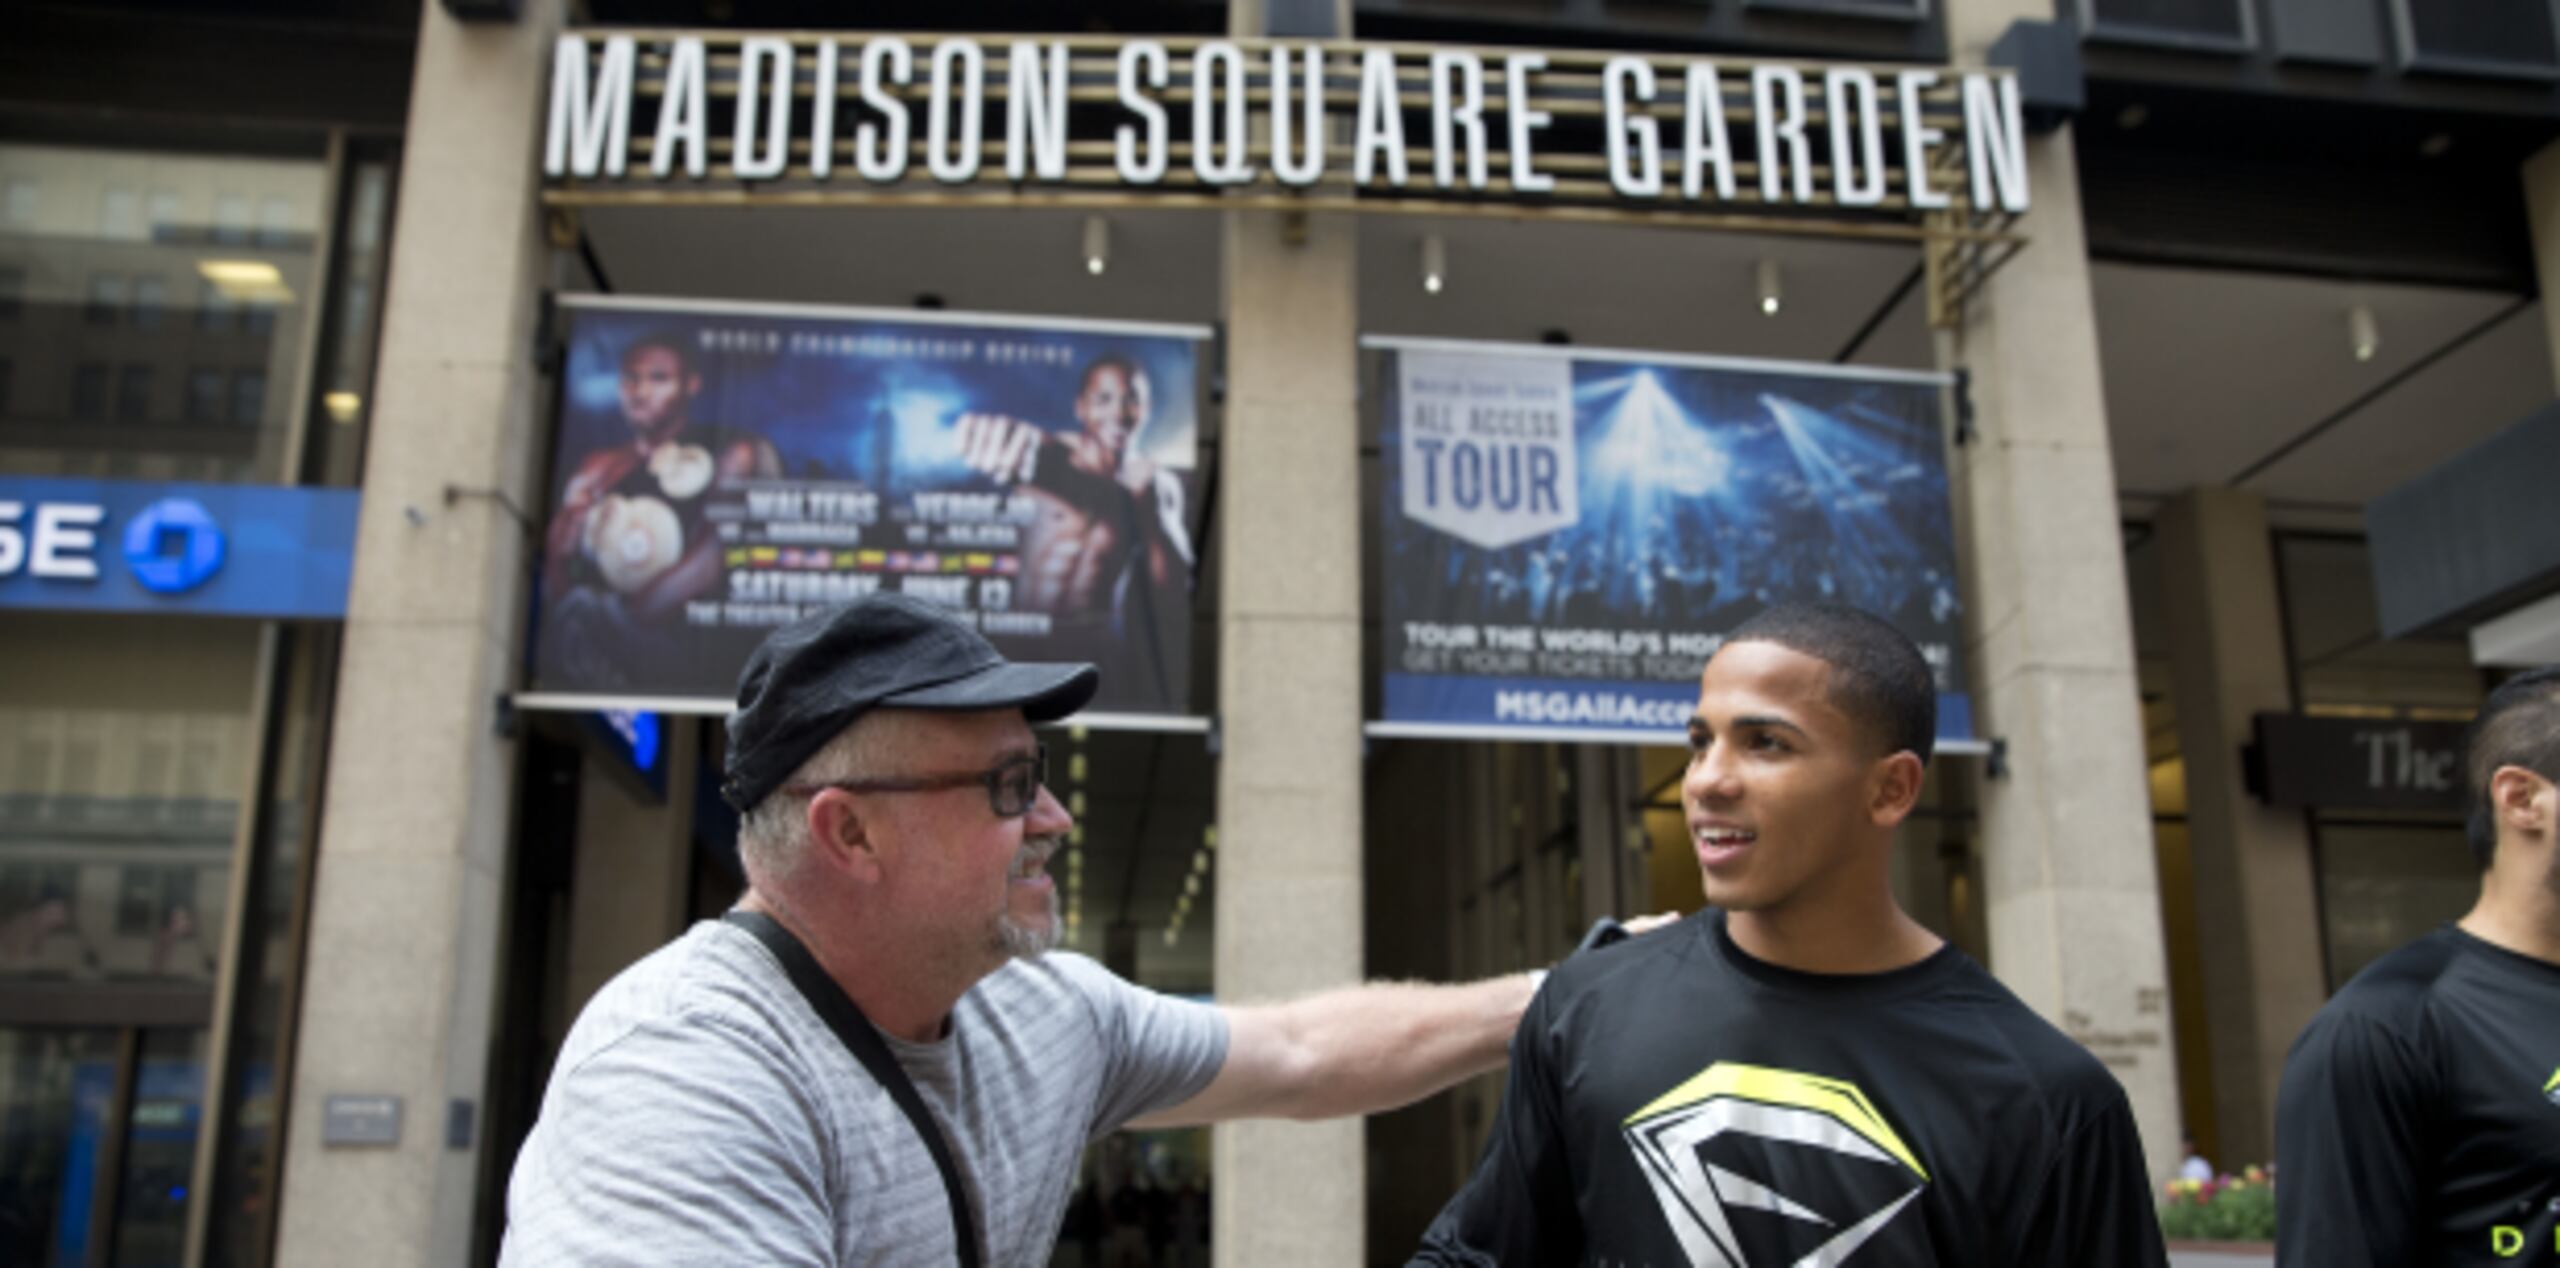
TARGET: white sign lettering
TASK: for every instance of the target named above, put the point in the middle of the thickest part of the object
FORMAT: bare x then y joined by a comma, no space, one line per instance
1264,112
58,544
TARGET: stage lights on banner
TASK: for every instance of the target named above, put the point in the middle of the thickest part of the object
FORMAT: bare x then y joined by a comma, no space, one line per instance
1097,245
2363,336
1435,264
1770,294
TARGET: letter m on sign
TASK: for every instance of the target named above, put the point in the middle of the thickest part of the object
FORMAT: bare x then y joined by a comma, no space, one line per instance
590,132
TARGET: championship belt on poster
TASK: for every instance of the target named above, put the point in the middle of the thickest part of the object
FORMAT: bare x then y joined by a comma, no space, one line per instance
725,469
1568,533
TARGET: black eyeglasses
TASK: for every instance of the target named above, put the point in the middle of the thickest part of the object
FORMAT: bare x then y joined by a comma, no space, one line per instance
1012,784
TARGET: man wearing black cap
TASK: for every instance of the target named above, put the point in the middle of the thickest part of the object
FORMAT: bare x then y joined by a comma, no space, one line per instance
726,1101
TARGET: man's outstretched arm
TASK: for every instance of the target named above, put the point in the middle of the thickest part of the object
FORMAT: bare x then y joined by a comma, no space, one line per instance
1357,1050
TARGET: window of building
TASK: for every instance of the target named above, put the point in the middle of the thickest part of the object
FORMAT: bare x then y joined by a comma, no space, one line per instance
125,242
133,394
108,295
167,215
89,392
231,219
204,395
150,301
119,214
248,397
275,222
215,310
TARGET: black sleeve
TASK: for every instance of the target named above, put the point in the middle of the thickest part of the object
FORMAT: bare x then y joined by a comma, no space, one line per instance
1518,1208
2349,1122
2093,1205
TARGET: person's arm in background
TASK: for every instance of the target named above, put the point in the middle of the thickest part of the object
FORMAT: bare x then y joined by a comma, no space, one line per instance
2350,1156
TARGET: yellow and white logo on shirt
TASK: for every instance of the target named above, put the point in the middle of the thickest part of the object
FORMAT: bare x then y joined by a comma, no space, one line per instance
1859,1175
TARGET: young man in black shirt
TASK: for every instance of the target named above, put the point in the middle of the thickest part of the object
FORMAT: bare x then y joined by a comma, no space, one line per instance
1802,1074
2419,1118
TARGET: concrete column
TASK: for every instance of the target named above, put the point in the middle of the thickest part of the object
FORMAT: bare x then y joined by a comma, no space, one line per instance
2071,892
2256,891
1289,706
633,869
404,921
2542,210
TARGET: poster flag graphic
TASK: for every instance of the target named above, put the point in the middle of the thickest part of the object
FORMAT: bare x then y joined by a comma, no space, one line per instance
1568,534
724,469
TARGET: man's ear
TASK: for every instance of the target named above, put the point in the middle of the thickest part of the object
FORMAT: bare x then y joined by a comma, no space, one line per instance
840,840
1895,788
2522,801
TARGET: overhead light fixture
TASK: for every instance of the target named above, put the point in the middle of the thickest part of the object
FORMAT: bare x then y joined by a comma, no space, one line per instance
1097,245
2362,334
1435,264
1769,293
342,406
246,281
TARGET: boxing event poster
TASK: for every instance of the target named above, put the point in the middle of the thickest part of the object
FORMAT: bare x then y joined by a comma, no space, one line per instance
1569,533
723,469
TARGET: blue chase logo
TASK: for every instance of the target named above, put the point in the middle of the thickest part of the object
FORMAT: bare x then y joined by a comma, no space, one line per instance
173,546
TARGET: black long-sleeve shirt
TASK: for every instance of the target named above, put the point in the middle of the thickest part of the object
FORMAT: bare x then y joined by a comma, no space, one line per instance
2418,1123
1674,1101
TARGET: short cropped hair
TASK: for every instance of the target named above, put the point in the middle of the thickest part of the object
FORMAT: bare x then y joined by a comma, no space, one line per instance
774,833
1877,677
1129,371
688,362
2518,725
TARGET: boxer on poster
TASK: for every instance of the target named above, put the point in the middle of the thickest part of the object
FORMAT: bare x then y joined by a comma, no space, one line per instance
629,545
1110,536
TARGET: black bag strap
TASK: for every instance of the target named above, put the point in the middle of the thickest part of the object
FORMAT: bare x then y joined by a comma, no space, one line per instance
854,1031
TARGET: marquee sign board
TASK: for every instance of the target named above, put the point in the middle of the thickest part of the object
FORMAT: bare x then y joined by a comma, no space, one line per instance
1910,152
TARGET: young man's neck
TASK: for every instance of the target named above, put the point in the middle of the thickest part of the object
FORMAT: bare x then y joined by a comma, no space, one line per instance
2519,907
1873,935
651,438
898,994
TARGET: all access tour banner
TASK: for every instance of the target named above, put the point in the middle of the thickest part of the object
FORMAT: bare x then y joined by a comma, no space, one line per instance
722,469
1569,533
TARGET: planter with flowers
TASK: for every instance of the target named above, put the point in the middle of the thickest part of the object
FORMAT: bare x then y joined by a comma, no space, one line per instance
2222,1210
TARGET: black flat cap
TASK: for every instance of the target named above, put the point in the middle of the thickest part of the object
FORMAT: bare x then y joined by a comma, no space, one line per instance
810,679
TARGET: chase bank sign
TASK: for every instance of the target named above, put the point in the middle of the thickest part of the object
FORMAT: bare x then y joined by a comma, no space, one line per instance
203,549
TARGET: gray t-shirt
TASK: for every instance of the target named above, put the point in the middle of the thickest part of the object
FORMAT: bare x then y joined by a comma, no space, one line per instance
702,1113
